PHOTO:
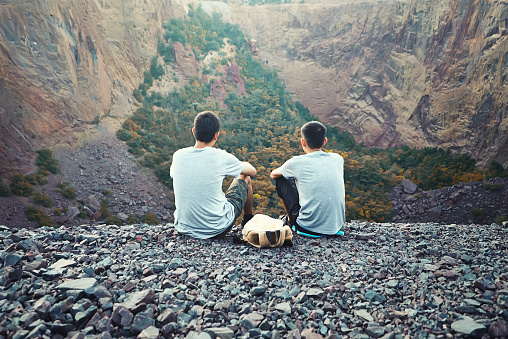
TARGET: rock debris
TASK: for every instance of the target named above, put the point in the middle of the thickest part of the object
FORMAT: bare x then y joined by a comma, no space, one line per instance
378,281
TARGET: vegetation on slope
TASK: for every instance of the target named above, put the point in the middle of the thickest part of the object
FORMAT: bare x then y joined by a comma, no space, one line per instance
262,127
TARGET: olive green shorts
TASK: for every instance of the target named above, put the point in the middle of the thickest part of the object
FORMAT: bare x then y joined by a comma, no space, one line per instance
237,195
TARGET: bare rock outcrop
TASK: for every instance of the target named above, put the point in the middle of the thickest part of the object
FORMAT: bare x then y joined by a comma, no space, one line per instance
422,73
234,78
63,64
185,59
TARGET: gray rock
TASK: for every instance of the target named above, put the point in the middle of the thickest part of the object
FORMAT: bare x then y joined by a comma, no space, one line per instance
142,321
166,317
104,325
408,186
121,316
183,319
221,332
150,332
283,307
434,213
374,330
136,298
72,213
498,329
258,291
12,259
62,263
83,317
469,327
78,284
315,292
364,315
43,305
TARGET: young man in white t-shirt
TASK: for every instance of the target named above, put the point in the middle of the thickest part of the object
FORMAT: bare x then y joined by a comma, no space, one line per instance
203,210
311,186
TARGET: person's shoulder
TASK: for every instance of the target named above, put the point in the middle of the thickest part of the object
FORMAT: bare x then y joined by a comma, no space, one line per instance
295,158
182,151
336,156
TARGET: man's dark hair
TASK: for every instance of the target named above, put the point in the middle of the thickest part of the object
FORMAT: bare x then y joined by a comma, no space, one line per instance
314,134
206,124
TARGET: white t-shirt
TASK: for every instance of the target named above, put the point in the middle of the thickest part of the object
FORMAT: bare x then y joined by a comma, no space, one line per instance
319,178
202,210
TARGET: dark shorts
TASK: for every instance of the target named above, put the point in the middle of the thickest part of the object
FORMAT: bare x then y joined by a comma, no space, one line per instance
287,191
237,196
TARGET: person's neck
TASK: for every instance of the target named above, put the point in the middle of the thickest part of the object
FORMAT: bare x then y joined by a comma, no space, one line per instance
310,150
201,144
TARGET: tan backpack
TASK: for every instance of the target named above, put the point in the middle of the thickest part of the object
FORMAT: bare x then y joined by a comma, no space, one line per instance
263,231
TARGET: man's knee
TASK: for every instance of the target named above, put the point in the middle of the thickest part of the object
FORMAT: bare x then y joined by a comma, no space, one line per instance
246,178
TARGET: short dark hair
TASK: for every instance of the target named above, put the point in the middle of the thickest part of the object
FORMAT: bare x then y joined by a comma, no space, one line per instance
314,134
206,124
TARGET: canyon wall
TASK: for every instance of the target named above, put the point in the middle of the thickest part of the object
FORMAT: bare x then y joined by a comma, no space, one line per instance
421,73
65,64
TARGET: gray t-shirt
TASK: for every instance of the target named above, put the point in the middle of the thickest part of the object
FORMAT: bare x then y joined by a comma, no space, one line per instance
202,210
319,178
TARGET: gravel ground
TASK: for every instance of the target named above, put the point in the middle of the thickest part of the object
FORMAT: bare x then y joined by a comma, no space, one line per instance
377,281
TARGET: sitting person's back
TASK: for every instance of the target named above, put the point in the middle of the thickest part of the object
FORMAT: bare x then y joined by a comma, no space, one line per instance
311,186
202,209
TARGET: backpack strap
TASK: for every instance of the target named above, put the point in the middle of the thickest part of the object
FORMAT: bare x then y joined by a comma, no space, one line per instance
269,238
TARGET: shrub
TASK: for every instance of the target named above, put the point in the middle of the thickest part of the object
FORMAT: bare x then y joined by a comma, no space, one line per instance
105,213
107,192
42,199
38,178
46,161
500,219
34,214
58,211
132,219
113,220
494,187
68,192
477,211
123,135
151,219
21,186
4,189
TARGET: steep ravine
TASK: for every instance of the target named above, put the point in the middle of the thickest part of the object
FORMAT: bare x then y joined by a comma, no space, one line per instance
422,73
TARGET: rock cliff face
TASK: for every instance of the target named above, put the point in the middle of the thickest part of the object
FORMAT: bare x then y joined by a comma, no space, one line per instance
64,64
422,73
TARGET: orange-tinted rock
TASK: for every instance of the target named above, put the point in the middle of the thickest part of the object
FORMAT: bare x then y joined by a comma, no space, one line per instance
185,59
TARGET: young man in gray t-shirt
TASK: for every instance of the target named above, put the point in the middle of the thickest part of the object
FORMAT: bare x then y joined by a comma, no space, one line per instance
311,186
202,209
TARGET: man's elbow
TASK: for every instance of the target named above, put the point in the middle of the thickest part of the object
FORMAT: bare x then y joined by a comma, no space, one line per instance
249,170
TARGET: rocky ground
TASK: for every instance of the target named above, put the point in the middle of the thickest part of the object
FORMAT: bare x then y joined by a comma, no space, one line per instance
377,281
463,203
98,168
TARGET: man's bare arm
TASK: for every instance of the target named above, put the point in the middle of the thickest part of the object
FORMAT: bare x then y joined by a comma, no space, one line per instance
248,169
276,173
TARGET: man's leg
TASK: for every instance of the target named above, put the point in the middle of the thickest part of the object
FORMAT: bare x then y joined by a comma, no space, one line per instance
247,208
238,195
286,190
